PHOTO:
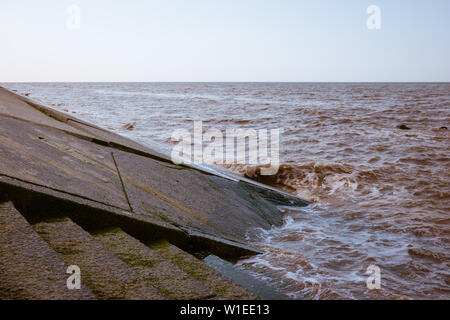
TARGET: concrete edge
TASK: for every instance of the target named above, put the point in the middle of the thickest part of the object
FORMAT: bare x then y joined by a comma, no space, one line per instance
38,202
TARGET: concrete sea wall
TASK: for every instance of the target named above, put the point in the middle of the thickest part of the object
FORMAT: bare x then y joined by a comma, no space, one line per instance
75,194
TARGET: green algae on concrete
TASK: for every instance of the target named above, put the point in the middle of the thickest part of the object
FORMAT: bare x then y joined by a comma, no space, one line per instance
29,268
152,267
222,286
106,275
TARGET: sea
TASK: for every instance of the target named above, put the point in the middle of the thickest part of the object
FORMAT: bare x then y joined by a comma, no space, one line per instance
372,158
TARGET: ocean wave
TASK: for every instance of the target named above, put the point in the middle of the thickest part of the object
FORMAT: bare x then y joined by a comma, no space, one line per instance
313,181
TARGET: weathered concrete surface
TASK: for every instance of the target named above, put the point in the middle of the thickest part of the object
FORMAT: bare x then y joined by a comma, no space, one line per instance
46,157
152,268
222,286
29,268
190,198
107,275
113,264
55,166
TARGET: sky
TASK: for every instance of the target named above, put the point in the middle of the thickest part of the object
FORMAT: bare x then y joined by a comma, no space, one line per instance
228,40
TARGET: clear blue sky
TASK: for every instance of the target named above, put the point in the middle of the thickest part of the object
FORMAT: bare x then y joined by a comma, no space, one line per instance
227,40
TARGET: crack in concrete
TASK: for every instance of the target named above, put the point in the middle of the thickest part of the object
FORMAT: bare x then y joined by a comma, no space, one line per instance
121,182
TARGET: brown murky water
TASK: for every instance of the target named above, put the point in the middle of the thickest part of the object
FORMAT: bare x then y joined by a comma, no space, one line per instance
381,194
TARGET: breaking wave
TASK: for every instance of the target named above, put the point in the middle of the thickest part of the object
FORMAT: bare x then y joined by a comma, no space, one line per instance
316,182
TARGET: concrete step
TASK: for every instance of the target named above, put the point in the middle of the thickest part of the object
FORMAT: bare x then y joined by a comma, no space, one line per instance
242,276
223,287
29,267
152,267
105,274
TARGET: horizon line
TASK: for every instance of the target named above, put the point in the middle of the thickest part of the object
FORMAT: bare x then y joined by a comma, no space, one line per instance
343,82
